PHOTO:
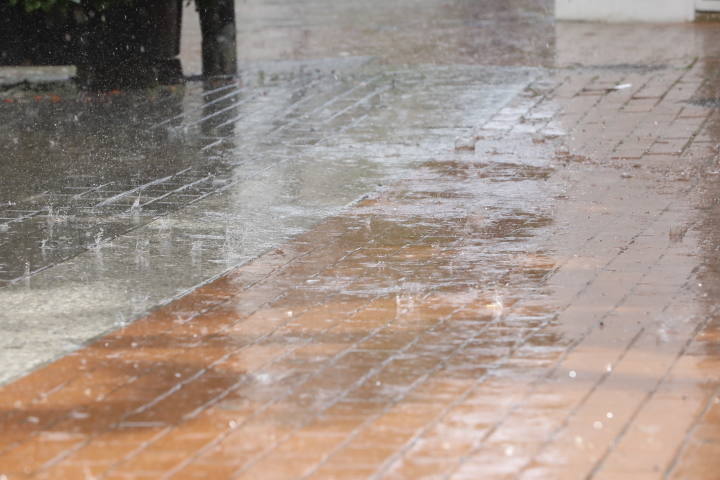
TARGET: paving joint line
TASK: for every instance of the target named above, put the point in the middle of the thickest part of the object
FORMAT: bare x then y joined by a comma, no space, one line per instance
198,454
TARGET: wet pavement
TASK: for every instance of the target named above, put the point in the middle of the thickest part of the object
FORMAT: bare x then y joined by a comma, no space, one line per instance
203,185
414,240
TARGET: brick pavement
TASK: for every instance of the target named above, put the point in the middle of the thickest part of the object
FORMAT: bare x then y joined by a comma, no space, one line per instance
300,147
539,303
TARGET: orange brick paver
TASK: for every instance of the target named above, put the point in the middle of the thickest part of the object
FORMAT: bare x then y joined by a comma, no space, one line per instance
570,331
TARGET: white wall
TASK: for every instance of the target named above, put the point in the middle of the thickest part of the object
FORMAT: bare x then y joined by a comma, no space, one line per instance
707,5
626,10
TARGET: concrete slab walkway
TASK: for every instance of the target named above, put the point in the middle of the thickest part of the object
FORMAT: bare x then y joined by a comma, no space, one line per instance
531,293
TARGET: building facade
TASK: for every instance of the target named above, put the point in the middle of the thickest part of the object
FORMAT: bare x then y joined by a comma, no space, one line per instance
633,10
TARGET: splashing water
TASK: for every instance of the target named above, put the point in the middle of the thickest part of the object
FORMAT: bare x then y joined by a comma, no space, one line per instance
136,207
98,240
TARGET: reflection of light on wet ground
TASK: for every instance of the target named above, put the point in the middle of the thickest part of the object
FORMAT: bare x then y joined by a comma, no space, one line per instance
530,307
238,198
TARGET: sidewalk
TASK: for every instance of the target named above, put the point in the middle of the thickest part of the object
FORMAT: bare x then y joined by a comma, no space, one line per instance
530,293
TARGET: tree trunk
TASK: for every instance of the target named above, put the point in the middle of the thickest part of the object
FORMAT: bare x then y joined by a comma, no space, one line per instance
219,48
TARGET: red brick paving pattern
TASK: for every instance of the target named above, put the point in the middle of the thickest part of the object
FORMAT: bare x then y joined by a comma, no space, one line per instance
424,336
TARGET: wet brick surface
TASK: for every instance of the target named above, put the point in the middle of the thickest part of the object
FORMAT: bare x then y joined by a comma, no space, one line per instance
531,306
531,293
298,152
